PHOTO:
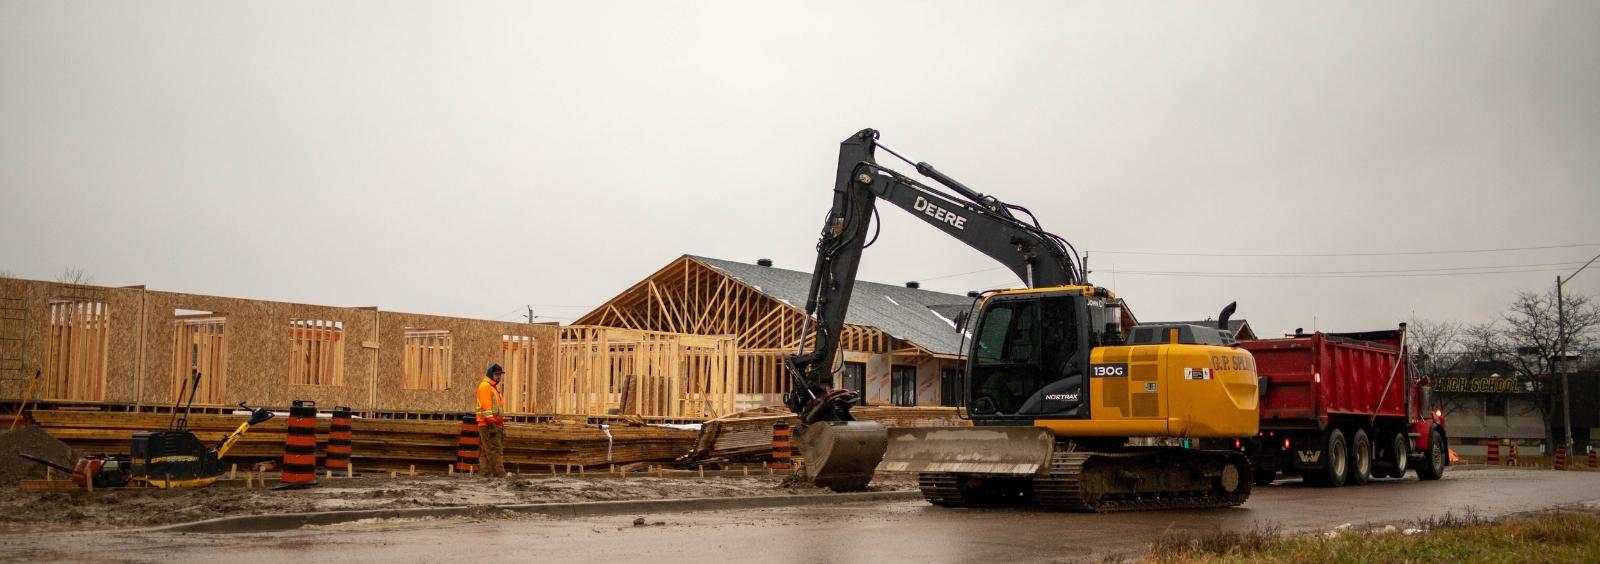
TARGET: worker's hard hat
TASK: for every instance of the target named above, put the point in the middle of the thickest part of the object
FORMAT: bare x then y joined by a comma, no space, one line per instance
494,369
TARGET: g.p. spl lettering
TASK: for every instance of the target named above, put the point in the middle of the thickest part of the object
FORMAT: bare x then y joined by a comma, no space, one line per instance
938,213
1221,362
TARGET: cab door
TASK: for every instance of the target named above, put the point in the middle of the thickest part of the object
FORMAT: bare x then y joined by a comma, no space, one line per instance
1028,359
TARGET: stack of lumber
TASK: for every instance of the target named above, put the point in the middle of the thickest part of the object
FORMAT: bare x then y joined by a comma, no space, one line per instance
748,434
385,444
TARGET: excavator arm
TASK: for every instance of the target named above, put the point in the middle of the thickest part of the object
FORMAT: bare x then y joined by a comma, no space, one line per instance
1037,257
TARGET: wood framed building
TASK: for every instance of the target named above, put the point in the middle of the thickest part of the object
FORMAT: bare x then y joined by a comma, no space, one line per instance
899,345
135,349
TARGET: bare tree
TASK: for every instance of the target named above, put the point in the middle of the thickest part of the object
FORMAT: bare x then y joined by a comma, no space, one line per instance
1531,327
1526,338
1483,341
73,275
1434,337
1435,343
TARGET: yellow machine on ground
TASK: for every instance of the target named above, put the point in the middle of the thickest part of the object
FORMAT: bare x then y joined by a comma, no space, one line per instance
1073,407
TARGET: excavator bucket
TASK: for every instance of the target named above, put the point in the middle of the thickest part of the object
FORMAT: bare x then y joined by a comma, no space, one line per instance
842,455
1015,451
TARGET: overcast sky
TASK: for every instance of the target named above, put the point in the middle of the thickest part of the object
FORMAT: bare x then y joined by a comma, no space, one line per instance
469,160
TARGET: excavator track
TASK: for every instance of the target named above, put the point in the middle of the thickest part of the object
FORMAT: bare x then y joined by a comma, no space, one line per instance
1142,480
941,489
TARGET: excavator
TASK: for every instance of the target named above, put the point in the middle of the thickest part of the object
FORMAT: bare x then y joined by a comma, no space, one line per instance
1073,406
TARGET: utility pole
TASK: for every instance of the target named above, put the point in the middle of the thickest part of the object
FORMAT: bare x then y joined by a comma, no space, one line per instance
1561,354
530,314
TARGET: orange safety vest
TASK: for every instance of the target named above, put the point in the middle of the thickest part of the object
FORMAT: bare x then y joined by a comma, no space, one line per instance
490,404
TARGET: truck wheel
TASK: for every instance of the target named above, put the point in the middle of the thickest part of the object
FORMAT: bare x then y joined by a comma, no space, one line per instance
1399,454
1433,459
1360,459
1335,452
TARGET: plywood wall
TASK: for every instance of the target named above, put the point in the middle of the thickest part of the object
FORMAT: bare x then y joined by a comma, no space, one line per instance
142,355
570,370
474,345
26,337
258,337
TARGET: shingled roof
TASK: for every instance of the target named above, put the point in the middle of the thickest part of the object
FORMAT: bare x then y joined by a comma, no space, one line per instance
923,317
1240,327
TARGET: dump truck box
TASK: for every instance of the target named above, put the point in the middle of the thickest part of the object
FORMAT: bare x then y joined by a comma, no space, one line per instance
1341,408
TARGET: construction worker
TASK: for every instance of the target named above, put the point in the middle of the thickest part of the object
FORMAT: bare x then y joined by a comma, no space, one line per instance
491,424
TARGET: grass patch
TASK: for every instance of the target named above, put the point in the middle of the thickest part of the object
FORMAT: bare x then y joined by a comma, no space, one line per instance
1560,536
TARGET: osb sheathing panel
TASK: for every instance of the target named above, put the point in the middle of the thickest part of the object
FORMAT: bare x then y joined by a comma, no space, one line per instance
141,351
258,350
474,344
35,297
13,374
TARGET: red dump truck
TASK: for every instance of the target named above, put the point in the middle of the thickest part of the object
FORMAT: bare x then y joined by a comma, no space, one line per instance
1343,408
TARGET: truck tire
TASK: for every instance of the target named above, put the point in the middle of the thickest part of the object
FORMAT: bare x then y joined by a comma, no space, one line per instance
1433,459
1399,455
1335,451
1360,459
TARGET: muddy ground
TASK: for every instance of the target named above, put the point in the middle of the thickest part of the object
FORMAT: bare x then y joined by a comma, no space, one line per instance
125,508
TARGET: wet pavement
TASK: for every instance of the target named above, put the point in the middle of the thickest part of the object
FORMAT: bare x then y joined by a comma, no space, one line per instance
891,532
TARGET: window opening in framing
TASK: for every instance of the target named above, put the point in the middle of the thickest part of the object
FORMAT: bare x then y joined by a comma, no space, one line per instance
950,387
903,385
520,360
200,343
75,367
316,352
427,364
853,376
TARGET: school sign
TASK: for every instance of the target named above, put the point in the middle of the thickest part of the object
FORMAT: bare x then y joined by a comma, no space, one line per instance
1477,385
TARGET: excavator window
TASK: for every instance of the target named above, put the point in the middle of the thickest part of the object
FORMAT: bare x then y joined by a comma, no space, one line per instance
992,338
1027,358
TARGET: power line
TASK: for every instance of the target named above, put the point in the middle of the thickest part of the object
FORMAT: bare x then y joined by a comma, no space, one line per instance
1396,271
1487,269
1348,254
1310,275
502,316
941,277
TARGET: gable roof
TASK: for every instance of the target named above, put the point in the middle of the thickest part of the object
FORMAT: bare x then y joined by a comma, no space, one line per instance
923,317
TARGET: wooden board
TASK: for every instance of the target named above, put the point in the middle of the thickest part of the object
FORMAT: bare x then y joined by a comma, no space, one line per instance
748,434
388,444
48,486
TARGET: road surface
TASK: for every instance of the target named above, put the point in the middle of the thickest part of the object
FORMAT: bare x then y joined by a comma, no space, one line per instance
890,532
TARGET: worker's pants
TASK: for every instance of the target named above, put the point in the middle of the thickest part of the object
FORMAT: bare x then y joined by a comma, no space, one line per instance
493,463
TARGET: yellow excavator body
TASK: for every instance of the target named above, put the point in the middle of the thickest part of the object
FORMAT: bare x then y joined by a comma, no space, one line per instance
1169,390
1171,383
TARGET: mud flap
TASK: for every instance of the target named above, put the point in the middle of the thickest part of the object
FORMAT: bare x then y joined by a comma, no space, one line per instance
1010,451
842,455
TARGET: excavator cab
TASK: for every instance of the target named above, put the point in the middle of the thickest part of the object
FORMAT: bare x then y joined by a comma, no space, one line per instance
1029,356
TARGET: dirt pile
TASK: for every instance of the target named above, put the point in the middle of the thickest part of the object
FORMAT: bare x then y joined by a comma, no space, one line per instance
31,440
